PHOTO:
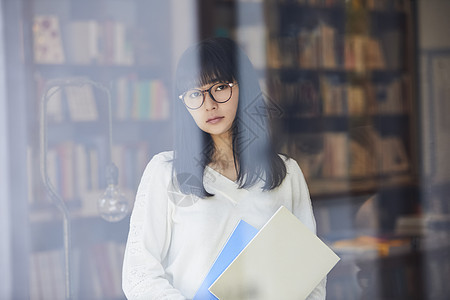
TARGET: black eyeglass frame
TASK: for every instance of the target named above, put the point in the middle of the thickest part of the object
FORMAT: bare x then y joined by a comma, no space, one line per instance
230,84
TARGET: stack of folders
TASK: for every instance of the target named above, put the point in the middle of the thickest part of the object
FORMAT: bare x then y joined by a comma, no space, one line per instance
283,260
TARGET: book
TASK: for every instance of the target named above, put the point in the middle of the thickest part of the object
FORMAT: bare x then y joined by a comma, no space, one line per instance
334,95
47,42
47,275
327,46
354,53
83,45
285,260
336,155
81,103
374,55
240,237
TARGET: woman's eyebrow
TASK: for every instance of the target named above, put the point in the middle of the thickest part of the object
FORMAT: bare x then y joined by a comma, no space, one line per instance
212,82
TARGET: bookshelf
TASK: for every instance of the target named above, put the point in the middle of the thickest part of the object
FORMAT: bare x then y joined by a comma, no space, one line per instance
103,41
115,44
338,68
343,74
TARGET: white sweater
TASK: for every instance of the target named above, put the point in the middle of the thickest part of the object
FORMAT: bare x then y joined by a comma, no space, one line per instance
174,238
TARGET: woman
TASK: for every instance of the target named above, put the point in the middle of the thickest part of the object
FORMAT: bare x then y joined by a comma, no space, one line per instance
223,169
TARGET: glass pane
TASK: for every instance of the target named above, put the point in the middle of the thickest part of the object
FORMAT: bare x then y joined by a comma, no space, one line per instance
111,181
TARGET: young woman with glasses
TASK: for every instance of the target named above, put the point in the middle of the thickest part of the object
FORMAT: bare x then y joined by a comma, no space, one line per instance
223,169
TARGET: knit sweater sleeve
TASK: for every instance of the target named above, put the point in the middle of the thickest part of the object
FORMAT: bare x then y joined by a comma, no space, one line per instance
302,209
143,275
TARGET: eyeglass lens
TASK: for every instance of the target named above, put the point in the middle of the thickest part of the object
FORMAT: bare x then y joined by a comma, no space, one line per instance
220,92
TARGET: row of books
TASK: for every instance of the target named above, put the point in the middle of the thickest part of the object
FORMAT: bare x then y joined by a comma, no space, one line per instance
303,94
96,273
47,277
373,98
131,160
342,155
332,96
137,99
104,264
369,4
308,49
323,47
76,103
383,5
81,42
132,98
77,171
325,3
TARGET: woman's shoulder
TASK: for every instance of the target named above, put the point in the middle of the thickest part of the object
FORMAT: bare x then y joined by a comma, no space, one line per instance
160,161
163,157
288,161
292,167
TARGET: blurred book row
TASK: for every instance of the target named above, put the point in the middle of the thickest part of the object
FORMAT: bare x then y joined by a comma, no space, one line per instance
325,47
331,95
77,171
132,98
96,273
82,42
343,155
369,4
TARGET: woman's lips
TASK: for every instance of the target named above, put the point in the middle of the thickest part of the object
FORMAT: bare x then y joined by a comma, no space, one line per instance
214,120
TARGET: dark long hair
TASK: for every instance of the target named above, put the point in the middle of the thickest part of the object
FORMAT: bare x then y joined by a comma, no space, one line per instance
220,59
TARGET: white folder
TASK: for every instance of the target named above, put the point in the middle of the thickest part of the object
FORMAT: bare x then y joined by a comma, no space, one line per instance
285,260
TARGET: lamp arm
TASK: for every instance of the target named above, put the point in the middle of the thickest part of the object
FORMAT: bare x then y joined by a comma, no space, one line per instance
112,173
55,197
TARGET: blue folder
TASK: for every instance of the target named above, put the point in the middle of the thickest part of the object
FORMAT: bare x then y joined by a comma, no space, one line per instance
241,236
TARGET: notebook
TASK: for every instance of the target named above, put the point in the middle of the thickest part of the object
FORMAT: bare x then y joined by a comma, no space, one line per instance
285,260
241,236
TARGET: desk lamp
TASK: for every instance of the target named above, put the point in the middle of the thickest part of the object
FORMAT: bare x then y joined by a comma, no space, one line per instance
112,205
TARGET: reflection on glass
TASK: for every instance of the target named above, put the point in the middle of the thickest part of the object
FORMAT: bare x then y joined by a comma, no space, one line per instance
112,206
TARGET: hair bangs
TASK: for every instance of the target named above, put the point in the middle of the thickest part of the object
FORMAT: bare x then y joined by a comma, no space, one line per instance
203,66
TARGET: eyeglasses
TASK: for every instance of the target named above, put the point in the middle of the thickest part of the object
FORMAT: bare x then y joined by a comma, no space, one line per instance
220,92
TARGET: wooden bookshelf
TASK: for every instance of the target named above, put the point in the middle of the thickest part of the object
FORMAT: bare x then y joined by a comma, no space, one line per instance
342,75
332,88
337,70
103,41
117,45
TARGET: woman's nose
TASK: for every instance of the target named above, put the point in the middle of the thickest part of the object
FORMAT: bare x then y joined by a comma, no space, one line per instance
209,102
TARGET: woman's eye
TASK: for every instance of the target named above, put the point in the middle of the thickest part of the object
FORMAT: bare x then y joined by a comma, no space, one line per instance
221,87
194,94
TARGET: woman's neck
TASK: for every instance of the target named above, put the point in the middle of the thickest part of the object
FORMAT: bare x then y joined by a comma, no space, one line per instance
223,158
223,146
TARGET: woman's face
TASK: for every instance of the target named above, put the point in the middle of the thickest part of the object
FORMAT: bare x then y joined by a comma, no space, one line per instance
213,117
